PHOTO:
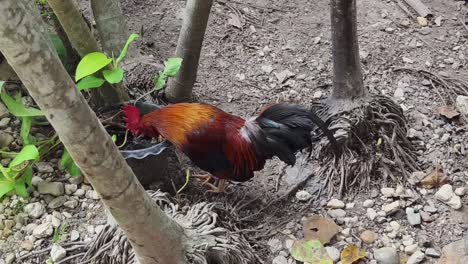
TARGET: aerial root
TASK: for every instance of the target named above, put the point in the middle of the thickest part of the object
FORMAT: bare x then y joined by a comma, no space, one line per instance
374,145
208,242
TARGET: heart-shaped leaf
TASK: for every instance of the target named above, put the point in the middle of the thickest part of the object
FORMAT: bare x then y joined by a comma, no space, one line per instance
29,152
90,64
89,82
114,76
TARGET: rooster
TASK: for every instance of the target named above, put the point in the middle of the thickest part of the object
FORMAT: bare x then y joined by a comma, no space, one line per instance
227,146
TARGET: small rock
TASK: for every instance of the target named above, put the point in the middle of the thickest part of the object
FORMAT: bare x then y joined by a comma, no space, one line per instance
9,258
386,255
4,122
389,30
70,188
395,225
411,249
27,245
74,235
44,167
422,21
336,204
317,94
368,236
43,230
53,188
444,193
275,245
35,210
432,252
350,205
91,194
371,213
3,111
430,208
462,104
455,202
391,208
388,192
57,202
368,203
399,93
5,139
303,196
57,252
408,60
284,75
337,213
280,260
425,216
79,193
71,204
460,191
334,253
414,218
76,179
417,257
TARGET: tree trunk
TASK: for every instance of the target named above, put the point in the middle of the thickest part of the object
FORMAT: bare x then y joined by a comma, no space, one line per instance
347,81
154,236
189,47
84,42
111,26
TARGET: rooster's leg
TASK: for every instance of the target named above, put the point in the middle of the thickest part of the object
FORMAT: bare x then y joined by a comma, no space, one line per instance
217,189
204,177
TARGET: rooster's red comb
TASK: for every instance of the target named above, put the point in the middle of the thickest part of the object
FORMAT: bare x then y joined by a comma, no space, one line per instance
132,118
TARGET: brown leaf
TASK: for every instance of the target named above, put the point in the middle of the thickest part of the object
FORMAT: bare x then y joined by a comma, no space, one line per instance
352,254
448,111
321,228
235,21
435,179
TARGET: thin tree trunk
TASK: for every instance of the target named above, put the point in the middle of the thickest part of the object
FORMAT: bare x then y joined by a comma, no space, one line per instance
347,81
84,42
111,26
154,236
189,47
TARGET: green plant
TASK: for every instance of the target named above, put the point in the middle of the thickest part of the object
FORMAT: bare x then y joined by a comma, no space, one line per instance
95,62
18,174
60,232
171,68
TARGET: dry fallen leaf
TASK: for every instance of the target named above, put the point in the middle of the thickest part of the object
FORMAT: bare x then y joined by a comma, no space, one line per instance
448,111
352,254
435,179
235,21
321,228
310,251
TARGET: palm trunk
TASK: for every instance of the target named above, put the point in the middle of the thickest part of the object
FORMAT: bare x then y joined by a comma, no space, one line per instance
111,26
189,48
84,42
154,236
347,81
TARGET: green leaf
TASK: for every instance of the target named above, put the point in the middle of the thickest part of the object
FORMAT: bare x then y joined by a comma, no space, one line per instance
130,39
172,66
114,138
160,82
90,64
26,123
18,109
67,163
310,251
6,187
20,188
89,82
59,47
1,85
114,76
29,152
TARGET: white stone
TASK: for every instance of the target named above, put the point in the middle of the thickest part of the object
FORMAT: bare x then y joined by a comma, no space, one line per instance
275,245
391,208
462,104
460,191
336,204
368,203
395,225
74,235
303,196
280,260
54,188
455,202
388,192
334,253
35,210
57,252
386,255
43,230
411,249
444,193
371,214
417,257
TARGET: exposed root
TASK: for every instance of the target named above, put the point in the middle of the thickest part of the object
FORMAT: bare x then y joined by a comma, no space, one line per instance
451,87
208,244
372,134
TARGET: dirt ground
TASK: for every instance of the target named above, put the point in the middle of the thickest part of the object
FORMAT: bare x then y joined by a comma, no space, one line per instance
240,71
